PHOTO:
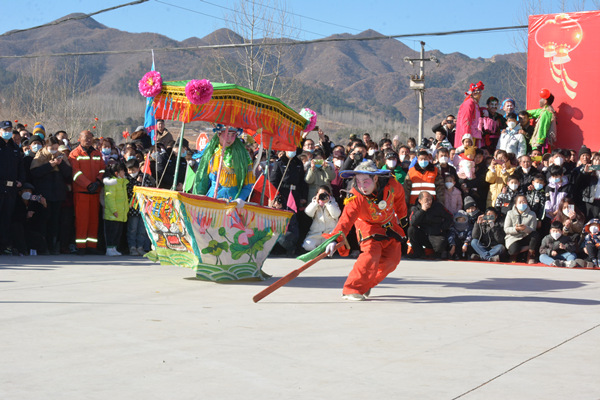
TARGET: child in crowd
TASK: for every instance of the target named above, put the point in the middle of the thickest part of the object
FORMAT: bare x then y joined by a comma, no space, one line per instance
592,242
471,209
536,198
511,140
325,212
557,249
460,236
453,197
137,238
499,171
505,200
488,237
116,206
557,189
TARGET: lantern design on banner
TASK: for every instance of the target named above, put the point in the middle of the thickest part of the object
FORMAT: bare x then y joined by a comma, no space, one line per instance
558,37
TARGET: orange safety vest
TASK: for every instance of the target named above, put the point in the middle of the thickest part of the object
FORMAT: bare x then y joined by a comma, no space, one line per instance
87,168
422,181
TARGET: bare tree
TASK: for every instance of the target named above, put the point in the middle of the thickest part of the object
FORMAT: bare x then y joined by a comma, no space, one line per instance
259,67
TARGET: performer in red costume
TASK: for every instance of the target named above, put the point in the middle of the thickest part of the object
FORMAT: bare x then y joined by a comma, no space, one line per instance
469,116
376,207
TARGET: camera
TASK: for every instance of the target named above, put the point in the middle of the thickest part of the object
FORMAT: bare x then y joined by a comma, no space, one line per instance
488,217
323,197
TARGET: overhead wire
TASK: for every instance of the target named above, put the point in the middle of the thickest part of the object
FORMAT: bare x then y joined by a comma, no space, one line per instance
272,43
74,18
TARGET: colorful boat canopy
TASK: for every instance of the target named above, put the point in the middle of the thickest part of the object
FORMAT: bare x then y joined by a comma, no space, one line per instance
235,106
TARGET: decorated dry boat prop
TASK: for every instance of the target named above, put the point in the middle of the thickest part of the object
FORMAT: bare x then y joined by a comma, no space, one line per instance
213,237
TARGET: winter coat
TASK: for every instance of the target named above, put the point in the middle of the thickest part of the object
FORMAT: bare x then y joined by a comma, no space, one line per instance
453,200
435,222
324,217
504,202
87,168
316,177
555,194
549,245
50,181
514,218
489,234
537,201
115,199
133,182
513,142
11,166
497,176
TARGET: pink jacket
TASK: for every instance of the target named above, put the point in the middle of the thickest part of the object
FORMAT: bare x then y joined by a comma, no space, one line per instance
453,200
468,122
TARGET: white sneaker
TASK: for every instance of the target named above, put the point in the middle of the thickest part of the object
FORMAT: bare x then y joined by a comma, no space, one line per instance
570,263
353,297
112,252
133,251
141,251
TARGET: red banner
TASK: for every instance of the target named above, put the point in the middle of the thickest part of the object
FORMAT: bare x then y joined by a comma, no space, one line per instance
564,57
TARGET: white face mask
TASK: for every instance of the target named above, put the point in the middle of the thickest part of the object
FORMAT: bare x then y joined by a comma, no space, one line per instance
443,160
511,124
391,164
134,174
371,152
449,184
66,142
525,170
338,163
36,147
53,151
555,235
290,154
566,211
594,229
558,161
513,186
402,157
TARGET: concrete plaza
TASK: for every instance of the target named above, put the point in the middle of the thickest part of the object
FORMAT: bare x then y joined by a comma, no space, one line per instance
96,327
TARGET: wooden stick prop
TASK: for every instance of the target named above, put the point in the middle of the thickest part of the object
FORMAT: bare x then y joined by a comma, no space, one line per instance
294,274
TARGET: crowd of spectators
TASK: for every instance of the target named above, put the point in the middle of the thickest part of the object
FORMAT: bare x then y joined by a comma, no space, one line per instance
503,200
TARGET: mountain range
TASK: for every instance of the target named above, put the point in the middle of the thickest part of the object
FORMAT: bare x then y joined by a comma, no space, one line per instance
353,76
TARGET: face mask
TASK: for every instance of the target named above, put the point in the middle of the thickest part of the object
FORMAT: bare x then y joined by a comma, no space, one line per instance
555,235
26,195
594,229
36,147
130,158
566,211
135,174
443,160
6,135
558,161
28,153
309,151
52,151
391,164
525,170
556,181
423,163
114,156
538,186
371,152
402,157
511,124
522,206
183,153
449,184
318,165
106,151
513,186
290,154
66,142
338,163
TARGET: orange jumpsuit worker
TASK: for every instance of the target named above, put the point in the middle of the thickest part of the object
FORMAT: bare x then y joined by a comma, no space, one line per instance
375,208
88,170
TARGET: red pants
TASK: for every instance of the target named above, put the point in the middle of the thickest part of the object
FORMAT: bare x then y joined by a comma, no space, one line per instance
87,207
375,262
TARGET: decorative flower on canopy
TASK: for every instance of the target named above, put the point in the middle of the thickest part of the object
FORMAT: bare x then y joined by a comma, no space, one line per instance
311,116
199,91
151,84
558,36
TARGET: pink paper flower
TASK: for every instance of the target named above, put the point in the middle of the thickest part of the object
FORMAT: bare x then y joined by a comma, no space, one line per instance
311,116
199,91
151,84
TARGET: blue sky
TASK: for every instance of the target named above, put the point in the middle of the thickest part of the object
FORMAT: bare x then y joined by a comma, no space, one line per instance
389,17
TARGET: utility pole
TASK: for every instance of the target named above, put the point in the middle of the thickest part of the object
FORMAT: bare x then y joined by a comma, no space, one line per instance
417,82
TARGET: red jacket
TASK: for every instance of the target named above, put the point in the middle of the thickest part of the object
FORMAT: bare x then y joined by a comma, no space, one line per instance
87,168
365,213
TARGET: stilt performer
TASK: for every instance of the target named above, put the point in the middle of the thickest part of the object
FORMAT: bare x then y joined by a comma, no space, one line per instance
376,207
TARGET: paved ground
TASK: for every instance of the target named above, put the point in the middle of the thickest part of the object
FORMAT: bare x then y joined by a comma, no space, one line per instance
124,328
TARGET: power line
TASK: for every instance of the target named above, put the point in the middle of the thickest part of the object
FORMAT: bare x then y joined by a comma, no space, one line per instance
229,9
83,16
298,15
274,43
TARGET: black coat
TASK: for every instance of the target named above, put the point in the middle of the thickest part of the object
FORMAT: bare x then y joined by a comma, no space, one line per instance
11,166
50,183
436,221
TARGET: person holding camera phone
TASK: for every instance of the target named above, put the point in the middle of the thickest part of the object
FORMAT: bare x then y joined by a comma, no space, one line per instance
320,172
488,237
325,212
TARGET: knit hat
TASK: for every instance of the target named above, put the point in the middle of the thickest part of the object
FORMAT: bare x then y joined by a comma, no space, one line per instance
584,150
466,136
469,202
139,128
38,129
461,226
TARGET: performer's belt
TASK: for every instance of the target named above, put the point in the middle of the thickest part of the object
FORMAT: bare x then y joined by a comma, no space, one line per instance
389,234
